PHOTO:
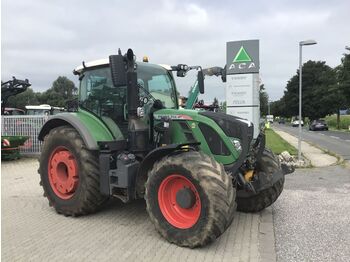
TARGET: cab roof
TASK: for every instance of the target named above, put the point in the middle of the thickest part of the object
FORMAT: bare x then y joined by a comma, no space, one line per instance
105,61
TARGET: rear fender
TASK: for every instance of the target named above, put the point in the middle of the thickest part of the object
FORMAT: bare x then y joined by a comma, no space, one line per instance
90,128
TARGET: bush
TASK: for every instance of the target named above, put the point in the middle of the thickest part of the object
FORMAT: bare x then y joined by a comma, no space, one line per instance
344,121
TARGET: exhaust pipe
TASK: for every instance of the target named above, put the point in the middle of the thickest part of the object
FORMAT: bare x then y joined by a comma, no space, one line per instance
138,133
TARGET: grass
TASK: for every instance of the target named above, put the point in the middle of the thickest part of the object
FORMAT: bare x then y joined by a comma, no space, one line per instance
344,122
277,144
340,130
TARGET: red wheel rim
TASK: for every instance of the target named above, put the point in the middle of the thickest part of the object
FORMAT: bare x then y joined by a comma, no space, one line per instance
176,215
63,173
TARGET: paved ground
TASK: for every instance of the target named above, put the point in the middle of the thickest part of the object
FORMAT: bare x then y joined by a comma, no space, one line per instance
32,231
337,142
312,216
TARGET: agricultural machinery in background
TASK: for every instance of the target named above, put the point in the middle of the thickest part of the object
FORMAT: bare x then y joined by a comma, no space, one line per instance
10,144
127,138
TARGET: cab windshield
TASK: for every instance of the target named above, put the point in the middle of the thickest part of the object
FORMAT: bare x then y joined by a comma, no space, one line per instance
97,93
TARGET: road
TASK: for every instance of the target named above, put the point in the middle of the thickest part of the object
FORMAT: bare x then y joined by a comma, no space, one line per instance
311,217
334,141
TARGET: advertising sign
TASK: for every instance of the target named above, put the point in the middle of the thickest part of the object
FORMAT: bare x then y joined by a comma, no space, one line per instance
242,86
242,57
242,97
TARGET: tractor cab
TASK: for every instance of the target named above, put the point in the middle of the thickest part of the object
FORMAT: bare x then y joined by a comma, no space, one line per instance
154,89
100,97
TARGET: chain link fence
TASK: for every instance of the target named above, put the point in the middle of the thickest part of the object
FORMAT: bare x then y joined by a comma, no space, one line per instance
22,125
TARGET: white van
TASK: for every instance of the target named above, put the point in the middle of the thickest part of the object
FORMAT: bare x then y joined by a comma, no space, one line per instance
269,118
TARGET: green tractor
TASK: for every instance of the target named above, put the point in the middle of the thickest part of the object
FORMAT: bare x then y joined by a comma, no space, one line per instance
127,138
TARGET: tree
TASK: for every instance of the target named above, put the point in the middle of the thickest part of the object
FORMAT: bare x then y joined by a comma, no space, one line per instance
62,90
340,91
64,87
343,77
215,102
28,97
277,108
223,106
317,98
52,98
264,100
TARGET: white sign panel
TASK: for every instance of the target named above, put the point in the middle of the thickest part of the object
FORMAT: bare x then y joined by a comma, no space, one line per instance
242,112
250,113
242,97
239,90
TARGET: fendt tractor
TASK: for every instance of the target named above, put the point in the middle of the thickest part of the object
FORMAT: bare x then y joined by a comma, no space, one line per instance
127,138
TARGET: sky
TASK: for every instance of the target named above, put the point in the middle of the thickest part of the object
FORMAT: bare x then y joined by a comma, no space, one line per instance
41,39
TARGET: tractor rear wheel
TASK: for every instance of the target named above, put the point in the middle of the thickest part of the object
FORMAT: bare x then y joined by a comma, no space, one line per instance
190,198
268,165
69,173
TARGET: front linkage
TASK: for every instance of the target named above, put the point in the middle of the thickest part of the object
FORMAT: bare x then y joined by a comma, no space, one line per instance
260,179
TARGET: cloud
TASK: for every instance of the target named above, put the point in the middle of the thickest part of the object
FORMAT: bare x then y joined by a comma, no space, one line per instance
43,39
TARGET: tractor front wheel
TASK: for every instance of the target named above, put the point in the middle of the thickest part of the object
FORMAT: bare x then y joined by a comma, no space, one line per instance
251,202
69,173
190,199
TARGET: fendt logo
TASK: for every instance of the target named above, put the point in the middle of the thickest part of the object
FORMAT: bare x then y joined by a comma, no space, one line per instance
242,60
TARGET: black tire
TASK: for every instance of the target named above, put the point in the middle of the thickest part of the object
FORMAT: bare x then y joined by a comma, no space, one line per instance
251,202
86,198
214,188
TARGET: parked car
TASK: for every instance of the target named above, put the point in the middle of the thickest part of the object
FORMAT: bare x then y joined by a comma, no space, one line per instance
43,110
319,124
10,111
295,123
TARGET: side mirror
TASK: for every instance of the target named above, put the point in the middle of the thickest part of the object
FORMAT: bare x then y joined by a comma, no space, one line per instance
200,79
181,73
118,70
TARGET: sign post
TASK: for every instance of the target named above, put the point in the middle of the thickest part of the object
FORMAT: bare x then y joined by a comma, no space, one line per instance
242,86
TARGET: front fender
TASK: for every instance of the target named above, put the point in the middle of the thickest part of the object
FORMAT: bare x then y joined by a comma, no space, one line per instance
90,128
155,155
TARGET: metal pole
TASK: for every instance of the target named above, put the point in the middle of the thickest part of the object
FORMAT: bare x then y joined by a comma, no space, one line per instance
300,99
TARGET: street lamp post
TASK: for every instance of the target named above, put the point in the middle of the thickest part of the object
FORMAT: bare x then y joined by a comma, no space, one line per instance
301,44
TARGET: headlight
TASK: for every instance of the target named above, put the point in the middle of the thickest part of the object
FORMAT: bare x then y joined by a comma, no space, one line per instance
236,143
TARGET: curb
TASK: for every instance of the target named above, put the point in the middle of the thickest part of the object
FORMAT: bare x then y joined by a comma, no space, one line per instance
340,160
267,249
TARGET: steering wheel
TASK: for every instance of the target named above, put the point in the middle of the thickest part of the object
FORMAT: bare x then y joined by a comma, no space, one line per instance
143,100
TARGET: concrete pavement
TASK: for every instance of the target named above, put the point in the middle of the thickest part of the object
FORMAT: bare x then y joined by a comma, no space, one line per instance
317,157
312,217
32,231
